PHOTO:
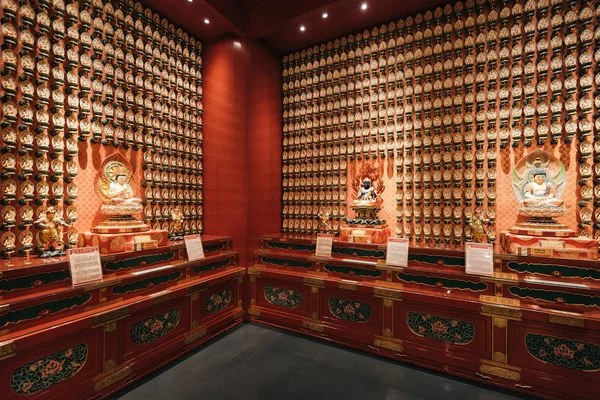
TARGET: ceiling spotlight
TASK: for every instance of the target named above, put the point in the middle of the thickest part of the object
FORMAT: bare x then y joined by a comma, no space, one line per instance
325,15
237,45
302,28
206,21
190,0
364,6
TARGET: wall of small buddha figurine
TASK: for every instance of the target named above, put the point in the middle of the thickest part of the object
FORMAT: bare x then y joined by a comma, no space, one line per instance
450,99
94,77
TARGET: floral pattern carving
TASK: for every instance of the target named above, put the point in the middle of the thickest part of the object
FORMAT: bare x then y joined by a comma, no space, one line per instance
350,310
563,352
48,371
283,297
218,301
435,327
153,328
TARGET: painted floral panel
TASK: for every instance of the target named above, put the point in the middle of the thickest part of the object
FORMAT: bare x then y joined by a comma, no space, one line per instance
283,297
48,371
439,328
218,301
350,310
153,328
562,352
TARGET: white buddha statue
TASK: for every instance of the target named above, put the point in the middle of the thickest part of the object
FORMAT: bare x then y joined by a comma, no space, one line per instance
120,191
538,192
119,196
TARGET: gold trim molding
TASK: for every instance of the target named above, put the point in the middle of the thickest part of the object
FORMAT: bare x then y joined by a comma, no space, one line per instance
386,344
110,316
500,300
499,322
314,281
111,379
161,299
493,311
347,286
195,336
110,327
254,312
382,292
313,326
101,285
7,350
239,274
565,320
506,276
500,372
110,364
253,272
501,365
499,357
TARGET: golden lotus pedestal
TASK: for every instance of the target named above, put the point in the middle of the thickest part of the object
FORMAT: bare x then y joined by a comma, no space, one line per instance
123,233
366,227
545,237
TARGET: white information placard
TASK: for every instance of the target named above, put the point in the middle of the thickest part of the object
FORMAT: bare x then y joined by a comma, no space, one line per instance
324,245
193,245
479,258
85,265
397,252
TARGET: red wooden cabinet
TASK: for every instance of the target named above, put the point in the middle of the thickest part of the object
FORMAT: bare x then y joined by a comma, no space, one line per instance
54,367
152,307
523,329
351,315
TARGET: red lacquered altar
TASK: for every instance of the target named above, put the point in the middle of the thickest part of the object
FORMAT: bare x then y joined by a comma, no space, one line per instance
150,307
531,327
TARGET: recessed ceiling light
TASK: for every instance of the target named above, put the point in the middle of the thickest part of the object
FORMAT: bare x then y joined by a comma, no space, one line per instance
325,15
237,45
206,21
302,28
190,0
364,6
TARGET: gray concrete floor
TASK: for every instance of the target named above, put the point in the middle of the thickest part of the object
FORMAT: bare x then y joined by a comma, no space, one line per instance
256,362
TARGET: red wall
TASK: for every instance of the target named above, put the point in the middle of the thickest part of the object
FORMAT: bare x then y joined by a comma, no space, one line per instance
264,145
242,142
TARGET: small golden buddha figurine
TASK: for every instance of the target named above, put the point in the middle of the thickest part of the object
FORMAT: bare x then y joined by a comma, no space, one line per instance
176,233
8,247
50,234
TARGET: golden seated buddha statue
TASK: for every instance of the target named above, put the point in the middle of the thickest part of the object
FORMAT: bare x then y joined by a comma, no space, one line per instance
114,185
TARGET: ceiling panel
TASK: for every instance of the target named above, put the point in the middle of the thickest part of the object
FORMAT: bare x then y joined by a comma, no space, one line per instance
276,22
344,17
190,16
